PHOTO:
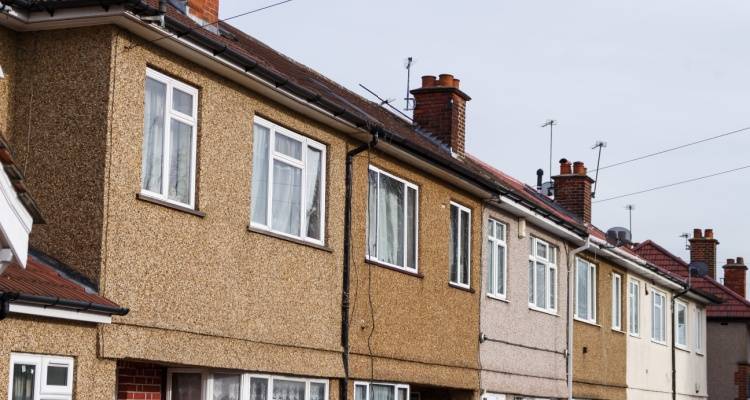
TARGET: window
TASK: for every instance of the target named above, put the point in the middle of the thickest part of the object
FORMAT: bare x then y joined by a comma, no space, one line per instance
496,259
634,308
460,245
392,220
699,318
192,384
658,317
169,140
616,301
542,276
288,183
680,316
36,377
380,391
585,290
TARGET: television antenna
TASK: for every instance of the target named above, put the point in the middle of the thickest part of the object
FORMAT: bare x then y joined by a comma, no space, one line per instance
409,99
686,236
551,123
630,208
600,145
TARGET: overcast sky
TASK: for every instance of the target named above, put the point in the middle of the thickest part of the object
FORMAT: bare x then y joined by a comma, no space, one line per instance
640,75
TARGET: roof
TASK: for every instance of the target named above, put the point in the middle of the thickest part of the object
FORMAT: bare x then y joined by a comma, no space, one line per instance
733,305
49,283
16,177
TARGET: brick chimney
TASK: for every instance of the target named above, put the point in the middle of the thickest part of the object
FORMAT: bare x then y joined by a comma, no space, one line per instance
441,110
573,189
734,275
703,248
203,11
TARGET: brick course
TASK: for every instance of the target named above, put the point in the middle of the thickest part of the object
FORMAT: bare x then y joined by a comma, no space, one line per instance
205,10
142,381
703,248
440,108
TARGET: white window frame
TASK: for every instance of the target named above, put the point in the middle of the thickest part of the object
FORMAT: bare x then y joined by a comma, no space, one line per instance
465,285
41,363
169,114
275,129
637,307
496,242
591,296
550,265
407,185
699,329
677,305
662,314
616,301
396,387
207,383
493,396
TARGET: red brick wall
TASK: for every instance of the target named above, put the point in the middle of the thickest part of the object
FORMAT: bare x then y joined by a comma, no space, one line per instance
703,248
440,108
741,378
573,190
735,275
141,381
206,10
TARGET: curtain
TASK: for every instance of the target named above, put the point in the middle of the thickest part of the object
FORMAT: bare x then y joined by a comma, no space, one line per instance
258,388
226,387
259,195
500,269
541,284
490,267
288,146
360,392
381,392
180,161
317,391
153,135
552,287
531,282
372,214
411,228
313,195
23,382
186,386
453,243
391,221
288,390
465,265
582,290
287,198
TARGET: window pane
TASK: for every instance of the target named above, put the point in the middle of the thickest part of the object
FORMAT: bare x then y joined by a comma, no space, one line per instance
57,375
490,228
226,386
288,146
681,325
391,221
288,390
454,244
401,393
541,250
182,102
465,242
531,282
500,270
259,197
286,198
180,161
317,391
153,135
582,290
381,392
500,231
490,267
23,382
541,284
258,388
313,208
372,214
186,386
411,228
552,288
360,392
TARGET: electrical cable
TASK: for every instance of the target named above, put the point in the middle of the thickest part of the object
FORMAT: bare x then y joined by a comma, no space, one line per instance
673,184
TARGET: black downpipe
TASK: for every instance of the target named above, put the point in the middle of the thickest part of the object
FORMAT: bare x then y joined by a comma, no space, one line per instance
343,388
674,335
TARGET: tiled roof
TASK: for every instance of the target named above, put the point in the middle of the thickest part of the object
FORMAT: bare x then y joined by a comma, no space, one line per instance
46,284
733,305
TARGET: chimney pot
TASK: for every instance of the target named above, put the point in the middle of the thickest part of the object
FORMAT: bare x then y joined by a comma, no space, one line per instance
428,81
730,261
456,82
446,80
565,167
697,233
579,168
709,233
740,260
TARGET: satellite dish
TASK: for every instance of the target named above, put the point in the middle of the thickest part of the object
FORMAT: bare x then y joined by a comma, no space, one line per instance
698,268
548,189
619,236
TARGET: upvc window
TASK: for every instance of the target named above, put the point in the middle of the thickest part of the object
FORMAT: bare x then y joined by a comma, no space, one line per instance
699,318
658,317
288,183
392,220
634,308
40,377
585,290
617,301
380,391
196,384
460,245
681,324
170,123
542,276
496,259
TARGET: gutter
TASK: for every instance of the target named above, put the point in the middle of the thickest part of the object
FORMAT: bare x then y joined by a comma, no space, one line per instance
569,350
49,301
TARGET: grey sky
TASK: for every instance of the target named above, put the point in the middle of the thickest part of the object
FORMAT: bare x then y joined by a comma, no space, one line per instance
640,75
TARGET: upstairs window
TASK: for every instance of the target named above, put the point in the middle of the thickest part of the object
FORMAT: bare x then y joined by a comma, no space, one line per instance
460,245
681,324
169,140
634,308
288,183
496,259
617,301
658,317
585,290
699,319
38,377
380,391
542,276
392,220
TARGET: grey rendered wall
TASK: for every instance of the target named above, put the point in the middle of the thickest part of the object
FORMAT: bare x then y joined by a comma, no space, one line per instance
727,346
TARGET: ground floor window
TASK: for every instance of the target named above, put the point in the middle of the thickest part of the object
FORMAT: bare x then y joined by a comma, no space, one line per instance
380,391
192,384
38,377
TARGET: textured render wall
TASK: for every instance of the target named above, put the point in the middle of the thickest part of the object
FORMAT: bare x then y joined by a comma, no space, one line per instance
93,378
727,346
8,55
599,371
419,319
58,126
510,368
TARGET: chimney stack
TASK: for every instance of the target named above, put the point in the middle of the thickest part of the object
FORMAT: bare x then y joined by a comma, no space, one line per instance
703,248
440,108
204,12
734,275
573,189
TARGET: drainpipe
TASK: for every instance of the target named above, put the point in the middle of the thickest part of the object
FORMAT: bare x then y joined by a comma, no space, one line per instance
347,258
569,350
674,366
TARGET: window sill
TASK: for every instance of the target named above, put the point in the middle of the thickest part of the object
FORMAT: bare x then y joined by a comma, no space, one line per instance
543,311
682,348
166,204
587,322
700,353
618,331
459,287
289,239
635,335
392,268
659,343
498,298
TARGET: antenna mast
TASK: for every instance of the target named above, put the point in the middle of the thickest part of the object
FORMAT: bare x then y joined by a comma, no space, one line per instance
409,100
550,123
630,208
600,145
